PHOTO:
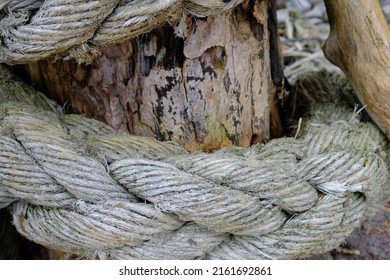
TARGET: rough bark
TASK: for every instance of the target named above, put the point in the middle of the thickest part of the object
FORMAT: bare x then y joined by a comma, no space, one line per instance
359,43
212,87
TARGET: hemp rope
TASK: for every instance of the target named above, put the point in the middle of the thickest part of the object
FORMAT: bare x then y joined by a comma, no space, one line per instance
77,185
31,30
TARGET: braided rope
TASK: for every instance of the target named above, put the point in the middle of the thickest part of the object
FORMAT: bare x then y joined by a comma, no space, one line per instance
75,184
33,30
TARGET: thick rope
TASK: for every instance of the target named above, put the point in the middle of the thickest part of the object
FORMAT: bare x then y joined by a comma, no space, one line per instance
75,184
33,30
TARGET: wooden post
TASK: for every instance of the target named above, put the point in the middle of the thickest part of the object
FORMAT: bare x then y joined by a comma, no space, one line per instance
205,83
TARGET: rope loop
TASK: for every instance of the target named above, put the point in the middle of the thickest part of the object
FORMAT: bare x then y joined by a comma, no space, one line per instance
75,184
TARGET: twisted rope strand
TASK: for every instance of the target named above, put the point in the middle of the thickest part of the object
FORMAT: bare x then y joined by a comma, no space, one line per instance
77,185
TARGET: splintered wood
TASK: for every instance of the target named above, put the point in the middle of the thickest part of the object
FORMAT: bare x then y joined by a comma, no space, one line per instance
204,83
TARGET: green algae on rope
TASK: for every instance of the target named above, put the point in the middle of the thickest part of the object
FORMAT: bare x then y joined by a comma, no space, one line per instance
75,184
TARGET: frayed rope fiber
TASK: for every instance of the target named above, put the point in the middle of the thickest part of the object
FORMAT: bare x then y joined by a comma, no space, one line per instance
31,30
75,184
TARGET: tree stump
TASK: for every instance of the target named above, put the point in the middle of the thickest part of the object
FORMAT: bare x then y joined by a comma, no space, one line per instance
205,83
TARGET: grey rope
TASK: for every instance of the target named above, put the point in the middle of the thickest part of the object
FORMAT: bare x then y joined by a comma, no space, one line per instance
33,30
75,184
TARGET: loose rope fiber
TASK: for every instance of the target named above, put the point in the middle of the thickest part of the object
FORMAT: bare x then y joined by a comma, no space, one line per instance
75,184
31,30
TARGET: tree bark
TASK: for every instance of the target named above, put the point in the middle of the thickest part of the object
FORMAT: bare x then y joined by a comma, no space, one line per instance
204,83
359,43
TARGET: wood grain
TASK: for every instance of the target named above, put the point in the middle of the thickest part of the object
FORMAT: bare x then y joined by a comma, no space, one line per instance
359,43
212,86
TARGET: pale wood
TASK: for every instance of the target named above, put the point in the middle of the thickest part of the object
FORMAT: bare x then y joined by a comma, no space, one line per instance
359,43
214,87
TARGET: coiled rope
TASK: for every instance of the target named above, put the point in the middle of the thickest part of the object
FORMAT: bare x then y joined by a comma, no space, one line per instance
75,184
31,30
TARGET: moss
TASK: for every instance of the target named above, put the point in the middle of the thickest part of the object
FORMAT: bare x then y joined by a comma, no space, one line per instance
216,131
13,91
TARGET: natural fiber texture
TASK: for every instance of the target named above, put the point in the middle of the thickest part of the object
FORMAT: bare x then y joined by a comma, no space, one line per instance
33,30
77,185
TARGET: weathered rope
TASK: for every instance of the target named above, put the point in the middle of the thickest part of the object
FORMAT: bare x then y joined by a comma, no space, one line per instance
32,30
77,185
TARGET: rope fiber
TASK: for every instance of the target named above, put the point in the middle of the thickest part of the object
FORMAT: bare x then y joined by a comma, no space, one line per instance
75,184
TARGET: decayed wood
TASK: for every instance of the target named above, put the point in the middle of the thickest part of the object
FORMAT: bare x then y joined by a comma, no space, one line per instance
212,87
359,43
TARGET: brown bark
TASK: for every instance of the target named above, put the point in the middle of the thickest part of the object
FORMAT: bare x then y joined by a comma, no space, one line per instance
211,88
359,43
